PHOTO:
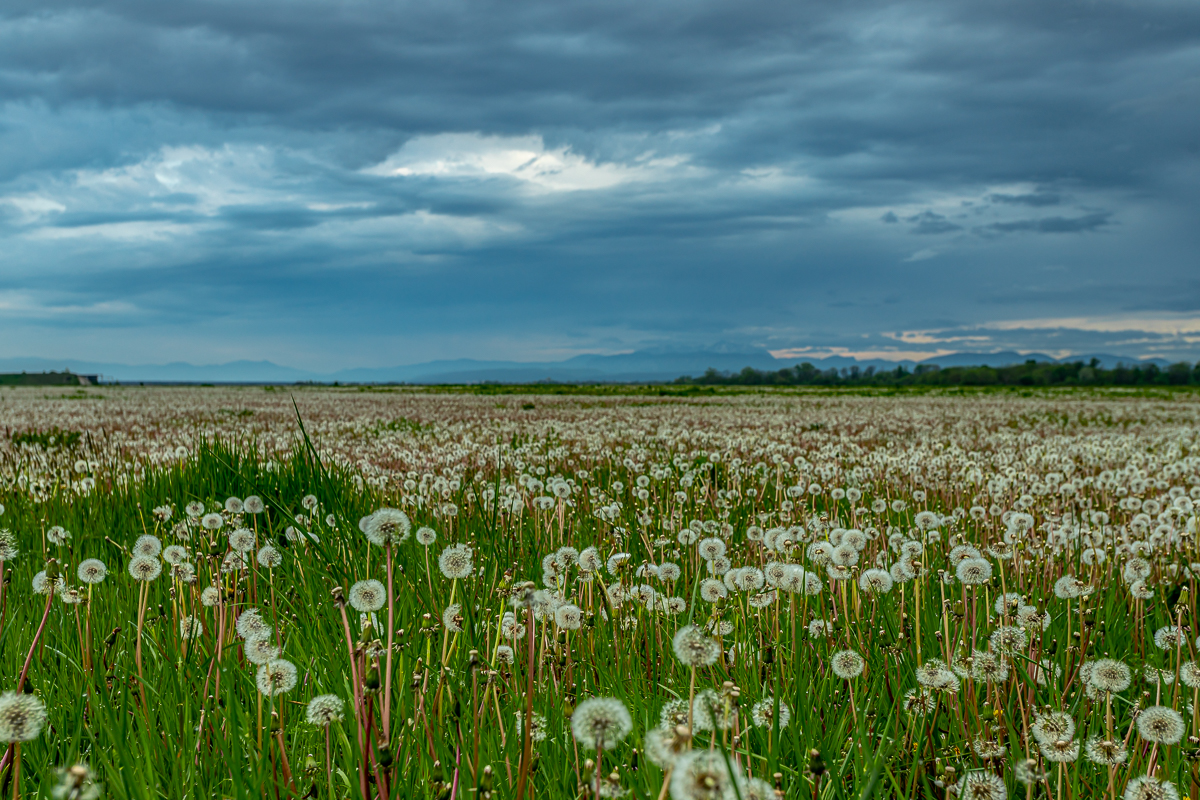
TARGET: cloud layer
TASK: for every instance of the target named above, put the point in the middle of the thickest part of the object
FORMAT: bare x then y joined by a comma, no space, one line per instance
332,184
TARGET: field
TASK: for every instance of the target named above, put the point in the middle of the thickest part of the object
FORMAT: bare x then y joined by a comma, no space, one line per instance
403,593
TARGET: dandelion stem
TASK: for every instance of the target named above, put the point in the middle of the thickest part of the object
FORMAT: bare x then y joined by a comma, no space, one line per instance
391,632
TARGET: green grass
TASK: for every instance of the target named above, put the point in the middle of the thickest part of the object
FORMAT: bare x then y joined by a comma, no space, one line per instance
451,722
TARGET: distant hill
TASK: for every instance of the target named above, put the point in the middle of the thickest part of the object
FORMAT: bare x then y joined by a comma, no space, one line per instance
650,365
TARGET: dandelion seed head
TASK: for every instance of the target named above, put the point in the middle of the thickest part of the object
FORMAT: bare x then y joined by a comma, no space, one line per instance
669,572
569,617
1169,637
250,625
1161,724
919,701
242,540
875,581
1105,751
325,709
190,628
144,568
974,571
1147,788
664,745
762,713
705,775
600,723
511,627
1189,674
1029,618
276,677
261,651
694,647
452,618
1028,772
269,557
387,526
981,786
589,560
91,571
21,717
712,590
1052,726
1069,587
367,596
1109,675
615,562
147,545
988,667
1008,639
847,664
1060,751
456,561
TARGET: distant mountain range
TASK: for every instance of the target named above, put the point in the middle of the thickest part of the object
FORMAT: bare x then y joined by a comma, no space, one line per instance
640,366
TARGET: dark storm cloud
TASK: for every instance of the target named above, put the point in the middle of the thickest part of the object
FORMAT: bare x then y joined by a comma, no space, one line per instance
1035,199
1087,222
601,174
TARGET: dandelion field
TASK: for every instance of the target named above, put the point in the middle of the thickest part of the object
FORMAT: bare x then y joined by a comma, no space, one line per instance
331,593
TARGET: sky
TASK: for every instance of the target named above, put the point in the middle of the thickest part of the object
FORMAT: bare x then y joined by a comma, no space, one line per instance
358,183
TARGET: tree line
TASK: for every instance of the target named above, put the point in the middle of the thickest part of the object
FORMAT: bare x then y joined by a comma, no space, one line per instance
1031,373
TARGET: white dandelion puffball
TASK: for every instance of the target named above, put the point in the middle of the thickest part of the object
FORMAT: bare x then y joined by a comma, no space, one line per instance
21,717
452,618
1147,788
705,775
190,628
694,647
325,709
144,568
269,557
174,554
847,664
763,713
276,677
242,540
261,651
387,526
426,536
250,625
974,571
876,581
366,596
981,786
1053,726
568,617
1161,724
147,545
664,745
1109,675
601,722
456,561
91,571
